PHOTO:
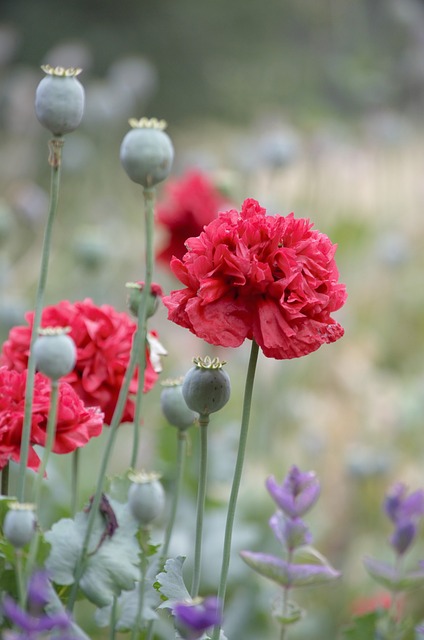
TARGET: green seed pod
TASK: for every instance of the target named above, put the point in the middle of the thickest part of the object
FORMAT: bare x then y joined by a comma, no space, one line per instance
206,387
174,407
146,497
19,524
147,152
55,352
135,292
59,100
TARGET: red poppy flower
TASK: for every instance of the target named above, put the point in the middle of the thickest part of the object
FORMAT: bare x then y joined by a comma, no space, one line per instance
188,204
103,337
75,425
272,279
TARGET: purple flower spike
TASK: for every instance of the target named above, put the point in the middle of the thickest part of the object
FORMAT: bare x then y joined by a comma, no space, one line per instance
399,506
38,590
403,536
297,494
192,618
30,624
292,533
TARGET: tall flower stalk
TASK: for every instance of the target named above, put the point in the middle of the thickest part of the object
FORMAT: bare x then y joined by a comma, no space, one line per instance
200,510
59,106
149,208
145,168
55,161
232,504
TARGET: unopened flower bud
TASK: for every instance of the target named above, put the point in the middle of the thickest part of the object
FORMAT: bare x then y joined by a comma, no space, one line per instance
206,386
55,352
19,524
59,100
146,497
147,152
173,405
135,290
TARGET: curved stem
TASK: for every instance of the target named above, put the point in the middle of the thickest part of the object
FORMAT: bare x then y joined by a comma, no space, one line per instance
201,495
149,206
182,443
247,403
55,160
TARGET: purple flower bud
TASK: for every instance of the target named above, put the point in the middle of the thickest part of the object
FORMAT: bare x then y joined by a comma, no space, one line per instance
297,494
403,536
292,533
399,506
38,590
32,624
192,619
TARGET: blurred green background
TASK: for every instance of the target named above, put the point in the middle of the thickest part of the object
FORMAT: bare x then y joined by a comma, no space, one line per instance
315,107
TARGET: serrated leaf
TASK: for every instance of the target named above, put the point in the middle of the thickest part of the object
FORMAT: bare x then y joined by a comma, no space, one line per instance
393,578
288,574
129,604
172,584
112,562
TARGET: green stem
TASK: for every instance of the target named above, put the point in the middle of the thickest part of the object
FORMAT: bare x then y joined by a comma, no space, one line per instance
181,453
201,495
55,161
138,343
149,210
247,403
74,481
50,435
286,592
112,626
5,480
141,589
20,578
51,430
182,444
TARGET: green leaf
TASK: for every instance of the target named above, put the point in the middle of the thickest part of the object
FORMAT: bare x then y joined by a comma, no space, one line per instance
363,627
128,615
393,578
292,614
112,562
291,574
172,583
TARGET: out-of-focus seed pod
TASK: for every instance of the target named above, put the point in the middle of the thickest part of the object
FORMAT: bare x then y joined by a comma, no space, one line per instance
135,291
59,100
20,523
146,497
55,352
147,152
173,405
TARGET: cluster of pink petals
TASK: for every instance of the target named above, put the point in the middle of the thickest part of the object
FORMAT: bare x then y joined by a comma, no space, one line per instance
76,424
188,205
103,337
248,275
